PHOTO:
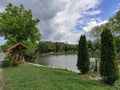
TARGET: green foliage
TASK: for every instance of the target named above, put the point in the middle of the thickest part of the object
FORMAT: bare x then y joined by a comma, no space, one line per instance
113,24
56,47
117,40
94,48
108,64
83,61
32,47
5,63
66,48
44,47
96,32
18,25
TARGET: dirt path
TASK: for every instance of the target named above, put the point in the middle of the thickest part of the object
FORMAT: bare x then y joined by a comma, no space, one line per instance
2,56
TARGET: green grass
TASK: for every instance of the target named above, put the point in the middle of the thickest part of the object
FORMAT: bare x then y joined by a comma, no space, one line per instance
41,78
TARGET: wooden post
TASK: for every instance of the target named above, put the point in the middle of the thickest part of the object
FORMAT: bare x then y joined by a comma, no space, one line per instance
12,58
96,68
23,60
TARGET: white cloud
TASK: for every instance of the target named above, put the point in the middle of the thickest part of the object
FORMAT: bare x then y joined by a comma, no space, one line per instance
119,4
60,19
94,12
2,9
65,21
92,24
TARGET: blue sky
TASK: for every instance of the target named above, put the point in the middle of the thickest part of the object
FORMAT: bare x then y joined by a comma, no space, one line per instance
66,20
108,8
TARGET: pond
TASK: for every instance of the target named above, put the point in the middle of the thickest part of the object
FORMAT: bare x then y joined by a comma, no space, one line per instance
60,61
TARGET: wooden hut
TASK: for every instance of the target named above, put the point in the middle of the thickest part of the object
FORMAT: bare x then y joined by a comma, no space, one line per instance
15,52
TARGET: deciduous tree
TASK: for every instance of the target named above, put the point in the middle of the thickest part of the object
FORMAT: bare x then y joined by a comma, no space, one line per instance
18,25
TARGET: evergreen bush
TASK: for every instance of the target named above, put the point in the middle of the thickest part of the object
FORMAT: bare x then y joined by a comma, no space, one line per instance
108,64
83,62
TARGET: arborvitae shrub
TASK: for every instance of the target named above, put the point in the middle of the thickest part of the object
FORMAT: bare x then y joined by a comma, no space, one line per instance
83,61
108,64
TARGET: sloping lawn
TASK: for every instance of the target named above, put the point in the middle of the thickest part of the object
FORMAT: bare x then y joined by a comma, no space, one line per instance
40,78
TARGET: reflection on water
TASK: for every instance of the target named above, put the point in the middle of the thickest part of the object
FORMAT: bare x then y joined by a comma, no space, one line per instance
62,61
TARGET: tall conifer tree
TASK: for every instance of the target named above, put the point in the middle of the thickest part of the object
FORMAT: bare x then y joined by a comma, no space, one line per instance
108,64
83,62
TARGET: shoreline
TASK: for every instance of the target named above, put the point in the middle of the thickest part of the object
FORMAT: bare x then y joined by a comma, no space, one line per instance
62,68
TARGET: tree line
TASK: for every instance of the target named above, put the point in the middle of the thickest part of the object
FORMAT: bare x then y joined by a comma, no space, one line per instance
56,47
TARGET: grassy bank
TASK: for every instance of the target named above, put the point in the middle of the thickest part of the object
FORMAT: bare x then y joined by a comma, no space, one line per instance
39,78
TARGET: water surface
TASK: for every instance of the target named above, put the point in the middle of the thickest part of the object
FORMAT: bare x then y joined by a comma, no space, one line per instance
61,61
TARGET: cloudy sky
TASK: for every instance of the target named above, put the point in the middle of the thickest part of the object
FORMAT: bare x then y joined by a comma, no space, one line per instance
66,20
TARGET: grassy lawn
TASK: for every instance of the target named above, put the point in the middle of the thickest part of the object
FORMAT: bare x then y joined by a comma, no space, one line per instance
41,78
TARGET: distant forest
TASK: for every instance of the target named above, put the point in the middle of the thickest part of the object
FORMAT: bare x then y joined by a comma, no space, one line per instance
56,47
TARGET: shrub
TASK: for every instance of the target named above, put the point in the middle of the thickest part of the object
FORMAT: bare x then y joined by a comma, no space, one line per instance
83,62
108,64
5,63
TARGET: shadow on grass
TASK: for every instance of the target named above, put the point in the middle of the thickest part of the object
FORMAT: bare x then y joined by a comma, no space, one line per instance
5,64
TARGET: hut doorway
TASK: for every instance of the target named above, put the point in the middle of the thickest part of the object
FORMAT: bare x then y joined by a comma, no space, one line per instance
15,54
